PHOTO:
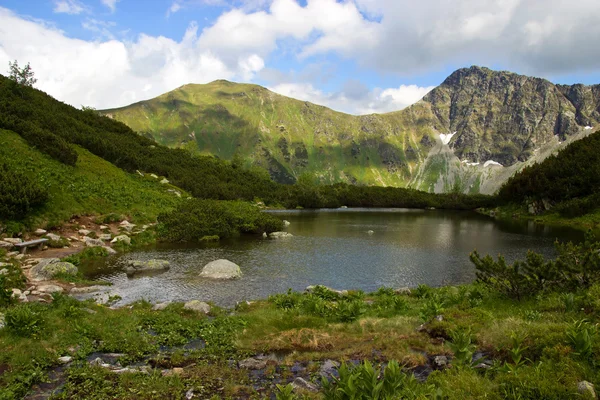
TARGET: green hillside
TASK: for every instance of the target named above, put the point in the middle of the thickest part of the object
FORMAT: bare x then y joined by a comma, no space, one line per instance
93,185
496,122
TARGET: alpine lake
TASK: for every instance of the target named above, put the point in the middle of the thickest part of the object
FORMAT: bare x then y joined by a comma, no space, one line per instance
333,247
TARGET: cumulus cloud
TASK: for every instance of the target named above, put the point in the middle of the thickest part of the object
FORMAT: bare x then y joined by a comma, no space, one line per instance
112,4
355,98
113,73
68,7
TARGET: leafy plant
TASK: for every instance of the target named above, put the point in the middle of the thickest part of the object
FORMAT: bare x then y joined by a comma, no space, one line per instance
6,297
23,320
581,335
285,392
462,346
432,307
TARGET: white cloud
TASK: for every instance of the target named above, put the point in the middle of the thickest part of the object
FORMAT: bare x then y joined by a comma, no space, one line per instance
112,4
68,7
102,28
113,73
355,100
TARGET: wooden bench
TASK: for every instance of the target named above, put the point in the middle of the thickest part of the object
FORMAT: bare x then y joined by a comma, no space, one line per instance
24,245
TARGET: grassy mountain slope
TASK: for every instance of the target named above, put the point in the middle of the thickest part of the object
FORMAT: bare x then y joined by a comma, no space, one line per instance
495,116
93,185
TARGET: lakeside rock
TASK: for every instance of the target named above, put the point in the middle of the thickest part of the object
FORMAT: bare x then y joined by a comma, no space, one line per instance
286,223
90,242
160,306
221,269
122,238
198,306
139,266
302,384
109,250
49,267
311,288
50,289
280,235
53,237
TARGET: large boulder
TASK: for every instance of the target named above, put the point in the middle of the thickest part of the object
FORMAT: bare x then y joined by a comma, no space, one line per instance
221,269
49,267
139,266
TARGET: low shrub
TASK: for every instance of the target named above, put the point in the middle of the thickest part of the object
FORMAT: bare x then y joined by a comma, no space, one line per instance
195,219
23,320
19,194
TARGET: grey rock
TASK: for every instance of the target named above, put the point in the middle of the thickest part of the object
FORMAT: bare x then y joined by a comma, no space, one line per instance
12,254
109,250
13,240
439,318
302,384
6,245
280,235
53,237
164,181
403,291
264,235
198,306
40,232
189,395
587,388
370,232
329,368
440,362
103,227
122,238
47,268
3,271
50,289
139,266
221,269
253,363
16,292
84,232
105,236
89,242
65,359
161,306
286,223
341,293
86,289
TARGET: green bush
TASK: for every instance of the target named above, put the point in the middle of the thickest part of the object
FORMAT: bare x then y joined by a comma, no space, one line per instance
23,320
5,293
195,219
19,194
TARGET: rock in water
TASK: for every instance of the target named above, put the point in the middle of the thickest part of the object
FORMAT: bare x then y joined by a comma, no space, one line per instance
286,222
137,266
49,267
221,269
280,235
198,306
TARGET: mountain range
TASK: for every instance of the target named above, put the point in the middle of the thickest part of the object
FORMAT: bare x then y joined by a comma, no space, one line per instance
470,134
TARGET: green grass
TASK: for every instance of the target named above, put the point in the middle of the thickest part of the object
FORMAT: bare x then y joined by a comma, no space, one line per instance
93,186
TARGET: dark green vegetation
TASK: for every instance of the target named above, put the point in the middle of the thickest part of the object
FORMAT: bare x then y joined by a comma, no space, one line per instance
18,194
496,115
198,219
472,341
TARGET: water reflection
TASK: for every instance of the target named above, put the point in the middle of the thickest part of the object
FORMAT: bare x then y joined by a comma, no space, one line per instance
332,247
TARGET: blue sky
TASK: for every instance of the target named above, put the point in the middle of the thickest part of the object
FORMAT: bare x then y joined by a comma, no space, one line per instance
356,56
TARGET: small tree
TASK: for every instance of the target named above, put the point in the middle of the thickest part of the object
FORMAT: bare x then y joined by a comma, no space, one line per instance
22,76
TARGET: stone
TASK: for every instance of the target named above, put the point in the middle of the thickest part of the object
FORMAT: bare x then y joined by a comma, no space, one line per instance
16,292
403,291
65,359
53,237
40,232
198,306
20,256
440,362
50,289
137,266
264,235
103,227
344,207
84,232
109,250
221,269
439,318
164,181
105,236
586,388
154,176
3,271
6,245
189,395
90,242
370,232
49,267
280,235
329,368
160,306
13,240
74,239
286,222
177,371
252,363
12,254
86,289
302,384
122,238
2,321
341,293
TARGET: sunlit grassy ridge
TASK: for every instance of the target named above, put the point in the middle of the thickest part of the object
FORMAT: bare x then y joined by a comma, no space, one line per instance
93,185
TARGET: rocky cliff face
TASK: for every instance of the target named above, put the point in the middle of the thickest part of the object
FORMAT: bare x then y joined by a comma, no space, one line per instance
471,133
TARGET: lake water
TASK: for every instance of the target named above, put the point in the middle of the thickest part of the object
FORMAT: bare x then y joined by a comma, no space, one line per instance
333,248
